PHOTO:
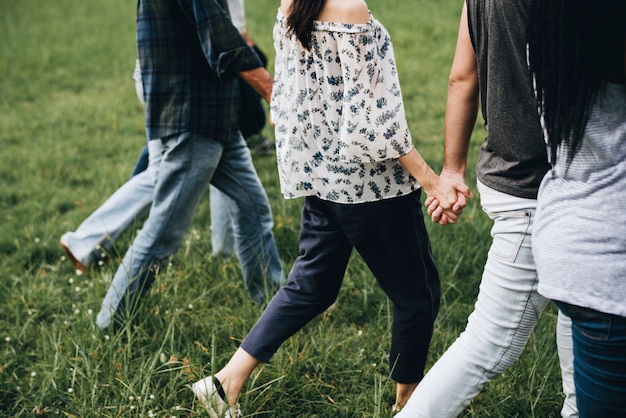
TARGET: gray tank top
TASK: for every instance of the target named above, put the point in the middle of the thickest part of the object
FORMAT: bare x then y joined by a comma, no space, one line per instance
513,157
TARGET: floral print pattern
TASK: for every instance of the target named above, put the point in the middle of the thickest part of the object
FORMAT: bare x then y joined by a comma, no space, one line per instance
339,115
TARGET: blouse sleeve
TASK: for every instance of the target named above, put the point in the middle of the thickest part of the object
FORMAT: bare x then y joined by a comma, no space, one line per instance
373,124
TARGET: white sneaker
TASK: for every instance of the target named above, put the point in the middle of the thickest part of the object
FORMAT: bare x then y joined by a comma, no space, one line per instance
210,393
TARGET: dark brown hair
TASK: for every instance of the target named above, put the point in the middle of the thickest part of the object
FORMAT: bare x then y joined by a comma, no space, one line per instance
302,13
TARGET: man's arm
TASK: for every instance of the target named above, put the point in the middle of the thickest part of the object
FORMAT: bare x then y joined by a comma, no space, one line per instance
461,112
462,102
260,80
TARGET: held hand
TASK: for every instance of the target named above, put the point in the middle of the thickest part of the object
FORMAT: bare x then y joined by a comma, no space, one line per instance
451,194
449,189
451,209
463,192
437,214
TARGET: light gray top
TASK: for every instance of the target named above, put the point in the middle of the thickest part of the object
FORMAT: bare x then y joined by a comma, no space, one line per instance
579,237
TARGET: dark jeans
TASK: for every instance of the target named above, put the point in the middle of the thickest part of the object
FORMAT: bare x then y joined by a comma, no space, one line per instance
391,237
142,162
599,361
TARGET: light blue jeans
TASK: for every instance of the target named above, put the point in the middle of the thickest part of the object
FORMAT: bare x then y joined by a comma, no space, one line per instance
222,230
189,162
130,203
505,314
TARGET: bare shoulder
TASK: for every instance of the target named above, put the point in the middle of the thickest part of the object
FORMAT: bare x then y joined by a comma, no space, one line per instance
345,11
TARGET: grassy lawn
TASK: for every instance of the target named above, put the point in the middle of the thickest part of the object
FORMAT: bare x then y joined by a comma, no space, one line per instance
71,129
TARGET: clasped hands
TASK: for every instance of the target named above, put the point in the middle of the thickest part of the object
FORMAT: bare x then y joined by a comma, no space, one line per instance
447,198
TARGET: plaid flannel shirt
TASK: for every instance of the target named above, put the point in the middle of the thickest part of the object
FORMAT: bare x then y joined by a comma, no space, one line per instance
190,53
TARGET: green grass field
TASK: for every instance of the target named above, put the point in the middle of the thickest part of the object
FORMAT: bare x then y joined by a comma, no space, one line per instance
70,131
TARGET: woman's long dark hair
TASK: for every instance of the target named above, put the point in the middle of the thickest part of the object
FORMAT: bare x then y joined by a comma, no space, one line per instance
302,13
575,46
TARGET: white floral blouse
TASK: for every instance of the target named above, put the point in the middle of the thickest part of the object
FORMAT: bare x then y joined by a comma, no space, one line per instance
338,113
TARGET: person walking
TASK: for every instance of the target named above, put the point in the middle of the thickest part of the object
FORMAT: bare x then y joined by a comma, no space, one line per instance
191,56
579,243
343,145
95,237
490,68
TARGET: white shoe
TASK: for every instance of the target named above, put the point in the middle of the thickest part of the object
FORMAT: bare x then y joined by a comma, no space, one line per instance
209,391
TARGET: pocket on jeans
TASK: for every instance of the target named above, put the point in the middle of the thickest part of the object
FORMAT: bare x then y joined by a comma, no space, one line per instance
509,231
590,323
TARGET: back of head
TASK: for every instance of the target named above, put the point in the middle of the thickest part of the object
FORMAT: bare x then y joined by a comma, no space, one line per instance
302,13
575,47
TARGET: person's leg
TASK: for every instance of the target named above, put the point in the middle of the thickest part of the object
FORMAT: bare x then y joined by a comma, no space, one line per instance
186,168
212,390
222,234
236,373
565,350
599,361
391,237
252,221
142,162
128,204
313,285
505,314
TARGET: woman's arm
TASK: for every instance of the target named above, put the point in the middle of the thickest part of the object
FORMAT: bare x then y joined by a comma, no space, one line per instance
445,190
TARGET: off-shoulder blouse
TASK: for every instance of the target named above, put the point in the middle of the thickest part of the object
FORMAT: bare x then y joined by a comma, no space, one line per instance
339,116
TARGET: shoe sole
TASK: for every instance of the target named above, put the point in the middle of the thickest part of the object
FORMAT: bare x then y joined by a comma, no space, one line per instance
77,264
